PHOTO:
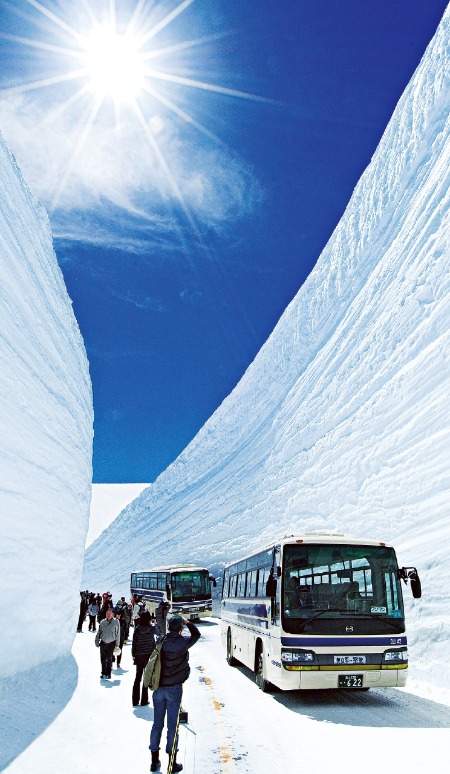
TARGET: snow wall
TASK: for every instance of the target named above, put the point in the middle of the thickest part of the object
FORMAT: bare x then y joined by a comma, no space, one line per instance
46,418
342,420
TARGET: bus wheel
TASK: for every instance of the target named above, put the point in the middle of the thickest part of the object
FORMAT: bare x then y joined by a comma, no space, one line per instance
230,658
261,681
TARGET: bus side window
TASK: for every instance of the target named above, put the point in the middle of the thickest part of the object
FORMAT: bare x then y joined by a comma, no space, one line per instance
161,580
251,583
233,585
225,583
241,585
263,574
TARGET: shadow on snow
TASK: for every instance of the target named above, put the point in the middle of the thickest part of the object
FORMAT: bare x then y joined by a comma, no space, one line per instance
30,701
377,708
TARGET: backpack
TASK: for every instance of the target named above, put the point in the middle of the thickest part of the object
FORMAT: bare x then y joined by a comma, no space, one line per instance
152,672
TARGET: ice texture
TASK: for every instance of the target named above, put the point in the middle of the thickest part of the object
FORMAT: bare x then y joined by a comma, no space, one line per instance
46,418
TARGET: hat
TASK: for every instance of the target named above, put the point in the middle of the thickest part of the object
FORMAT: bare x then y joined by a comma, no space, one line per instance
176,624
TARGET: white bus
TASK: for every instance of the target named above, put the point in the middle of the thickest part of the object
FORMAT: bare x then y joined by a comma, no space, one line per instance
186,587
318,611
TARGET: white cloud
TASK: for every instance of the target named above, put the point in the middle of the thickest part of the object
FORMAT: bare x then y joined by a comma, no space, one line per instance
81,172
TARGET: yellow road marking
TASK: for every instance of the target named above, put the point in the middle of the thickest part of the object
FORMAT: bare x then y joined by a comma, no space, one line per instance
226,754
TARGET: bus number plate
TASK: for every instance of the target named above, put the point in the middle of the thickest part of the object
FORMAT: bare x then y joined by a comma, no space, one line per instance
350,681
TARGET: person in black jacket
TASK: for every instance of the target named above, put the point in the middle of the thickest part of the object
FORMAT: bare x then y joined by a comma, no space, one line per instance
175,671
141,647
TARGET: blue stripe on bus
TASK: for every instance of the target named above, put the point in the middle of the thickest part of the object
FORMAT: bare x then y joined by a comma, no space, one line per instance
336,641
155,595
258,610
255,630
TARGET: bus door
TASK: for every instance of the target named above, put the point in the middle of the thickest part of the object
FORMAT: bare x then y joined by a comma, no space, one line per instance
275,589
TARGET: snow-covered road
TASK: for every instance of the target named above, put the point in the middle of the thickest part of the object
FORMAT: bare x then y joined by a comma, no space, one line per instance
234,727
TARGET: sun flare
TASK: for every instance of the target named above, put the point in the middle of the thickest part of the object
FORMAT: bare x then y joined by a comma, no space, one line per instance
114,64
109,52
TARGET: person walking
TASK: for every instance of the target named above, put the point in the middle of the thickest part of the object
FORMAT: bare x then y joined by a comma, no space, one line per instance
126,615
93,613
138,608
119,617
107,638
84,604
141,647
175,671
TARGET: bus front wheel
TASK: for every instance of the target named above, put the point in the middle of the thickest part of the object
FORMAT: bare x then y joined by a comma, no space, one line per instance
230,658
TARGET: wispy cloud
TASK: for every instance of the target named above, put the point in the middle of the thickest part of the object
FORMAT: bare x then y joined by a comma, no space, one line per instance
118,174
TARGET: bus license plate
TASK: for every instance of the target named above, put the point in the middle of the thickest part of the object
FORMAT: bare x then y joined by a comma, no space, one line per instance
350,681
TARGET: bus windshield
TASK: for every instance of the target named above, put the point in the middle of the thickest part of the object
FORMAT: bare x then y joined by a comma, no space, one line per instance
189,585
341,588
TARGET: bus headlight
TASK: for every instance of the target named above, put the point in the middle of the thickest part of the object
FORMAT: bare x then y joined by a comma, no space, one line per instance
395,655
297,658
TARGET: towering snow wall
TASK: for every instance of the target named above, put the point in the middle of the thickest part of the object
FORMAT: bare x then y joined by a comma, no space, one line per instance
46,437
342,421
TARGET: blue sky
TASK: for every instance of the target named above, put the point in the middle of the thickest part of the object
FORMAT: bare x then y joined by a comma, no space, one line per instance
192,177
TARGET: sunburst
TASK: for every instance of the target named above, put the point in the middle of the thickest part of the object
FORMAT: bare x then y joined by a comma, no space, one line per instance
106,58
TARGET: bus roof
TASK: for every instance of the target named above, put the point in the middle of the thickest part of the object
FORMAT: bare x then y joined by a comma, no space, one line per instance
314,537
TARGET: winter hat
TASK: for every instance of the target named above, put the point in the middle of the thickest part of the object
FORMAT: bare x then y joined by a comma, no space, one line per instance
176,624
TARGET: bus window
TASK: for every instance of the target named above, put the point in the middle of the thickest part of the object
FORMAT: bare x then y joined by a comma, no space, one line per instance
241,585
251,583
152,580
225,584
263,574
162,581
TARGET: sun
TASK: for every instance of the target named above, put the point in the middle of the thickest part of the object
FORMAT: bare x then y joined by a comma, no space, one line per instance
111,54
114,64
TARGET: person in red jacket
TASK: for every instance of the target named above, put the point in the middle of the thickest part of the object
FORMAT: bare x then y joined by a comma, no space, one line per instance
175,671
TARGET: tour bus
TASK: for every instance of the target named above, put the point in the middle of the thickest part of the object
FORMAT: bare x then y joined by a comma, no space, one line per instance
186,587
318,611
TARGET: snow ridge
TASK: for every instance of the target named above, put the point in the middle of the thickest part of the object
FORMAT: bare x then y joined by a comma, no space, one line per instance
46,417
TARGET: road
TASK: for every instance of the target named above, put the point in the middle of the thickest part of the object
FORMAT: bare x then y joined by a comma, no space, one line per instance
234,728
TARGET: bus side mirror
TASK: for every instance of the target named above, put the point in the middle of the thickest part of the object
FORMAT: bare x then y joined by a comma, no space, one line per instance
213,581
271,586
416,587
410,574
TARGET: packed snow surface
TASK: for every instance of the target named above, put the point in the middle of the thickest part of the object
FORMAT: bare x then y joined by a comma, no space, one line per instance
342,421
233,727
46,436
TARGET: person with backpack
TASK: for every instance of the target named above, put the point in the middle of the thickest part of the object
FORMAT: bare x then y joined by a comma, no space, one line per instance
175,671
141,648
